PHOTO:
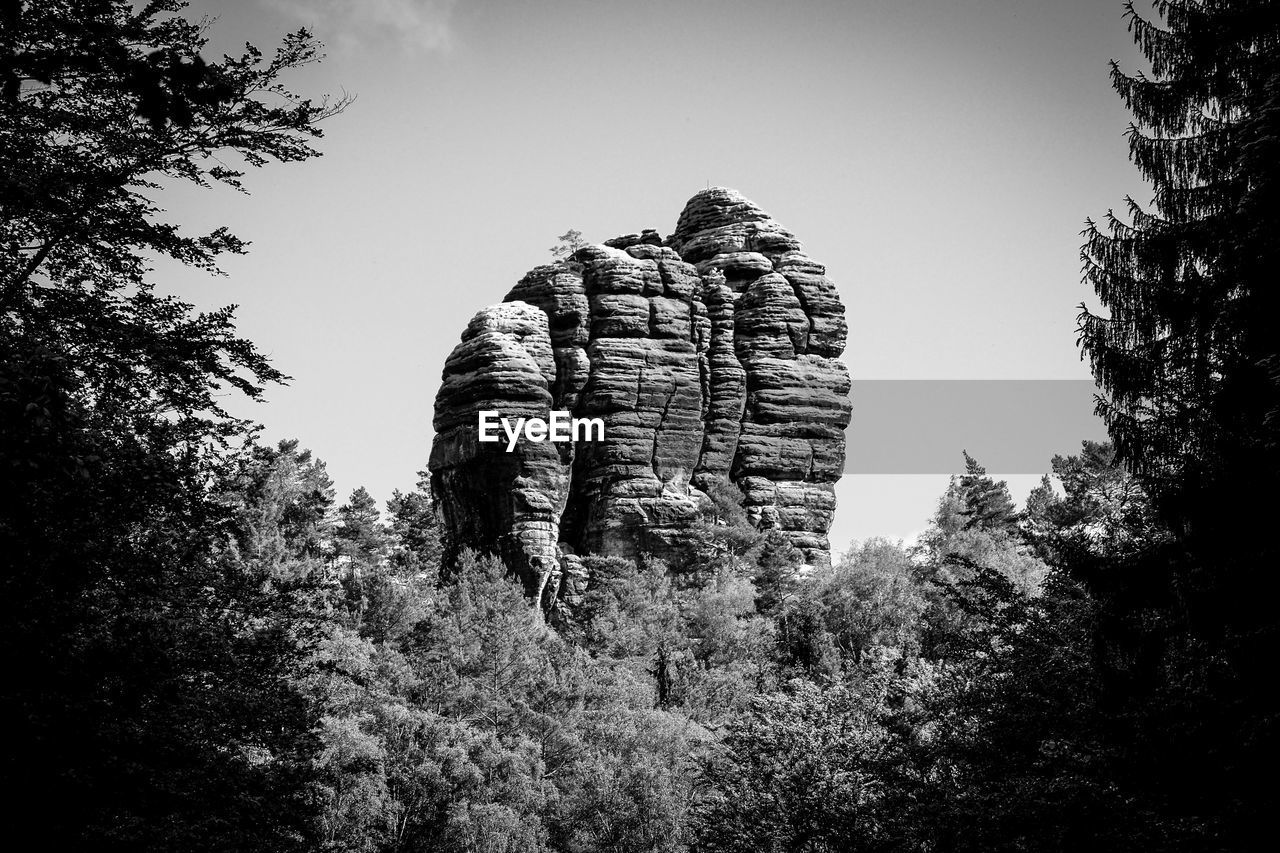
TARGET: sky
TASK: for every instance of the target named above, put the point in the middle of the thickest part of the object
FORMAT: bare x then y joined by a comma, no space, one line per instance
938,156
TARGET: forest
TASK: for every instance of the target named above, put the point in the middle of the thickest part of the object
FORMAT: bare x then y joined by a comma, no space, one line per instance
207,649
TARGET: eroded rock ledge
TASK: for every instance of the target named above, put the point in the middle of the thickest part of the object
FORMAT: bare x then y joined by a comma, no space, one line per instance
709,355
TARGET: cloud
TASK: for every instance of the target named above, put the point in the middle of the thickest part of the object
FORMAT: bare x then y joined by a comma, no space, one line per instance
418,25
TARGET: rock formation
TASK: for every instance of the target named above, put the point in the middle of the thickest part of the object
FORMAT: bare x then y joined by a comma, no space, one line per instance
710,355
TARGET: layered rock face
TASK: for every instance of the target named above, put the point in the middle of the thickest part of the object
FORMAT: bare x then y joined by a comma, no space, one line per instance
711,355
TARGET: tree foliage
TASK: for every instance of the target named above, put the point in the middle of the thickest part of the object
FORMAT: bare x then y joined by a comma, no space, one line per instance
209,651
567,243
1186,352
152,641
1187,355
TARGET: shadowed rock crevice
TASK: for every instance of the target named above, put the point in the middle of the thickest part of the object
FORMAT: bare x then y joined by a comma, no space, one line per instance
709,355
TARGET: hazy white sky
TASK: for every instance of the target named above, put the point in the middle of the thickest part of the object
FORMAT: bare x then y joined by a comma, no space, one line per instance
939,156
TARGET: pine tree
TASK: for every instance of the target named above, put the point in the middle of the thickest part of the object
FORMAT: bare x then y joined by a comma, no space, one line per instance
1188,355
361,535
568,243
987,502
1040,502
412,516
1188,358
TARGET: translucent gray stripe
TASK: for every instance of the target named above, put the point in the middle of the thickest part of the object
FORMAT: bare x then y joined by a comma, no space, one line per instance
1011,426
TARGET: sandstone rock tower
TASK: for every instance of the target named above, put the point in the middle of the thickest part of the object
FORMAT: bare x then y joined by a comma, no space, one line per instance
710,355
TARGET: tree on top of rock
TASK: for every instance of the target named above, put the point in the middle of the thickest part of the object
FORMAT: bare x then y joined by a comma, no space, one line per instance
568,243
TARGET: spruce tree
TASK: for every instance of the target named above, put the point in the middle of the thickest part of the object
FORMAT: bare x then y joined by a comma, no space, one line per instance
987,503
1187,351
1189,359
